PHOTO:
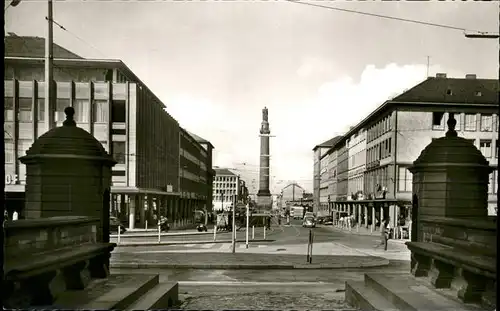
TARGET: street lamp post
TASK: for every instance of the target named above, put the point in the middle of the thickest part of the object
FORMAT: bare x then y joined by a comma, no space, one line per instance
49,69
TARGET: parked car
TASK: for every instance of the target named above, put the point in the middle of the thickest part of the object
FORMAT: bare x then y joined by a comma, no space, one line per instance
309,222
114,223
308,214
328,220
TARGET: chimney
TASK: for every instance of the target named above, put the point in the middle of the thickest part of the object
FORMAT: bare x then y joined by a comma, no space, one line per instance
470,76
440,75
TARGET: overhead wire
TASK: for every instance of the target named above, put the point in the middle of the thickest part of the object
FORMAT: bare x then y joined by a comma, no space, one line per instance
407,20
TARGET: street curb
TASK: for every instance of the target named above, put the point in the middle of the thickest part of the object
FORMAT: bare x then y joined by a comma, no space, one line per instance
192,242
374,262
147,235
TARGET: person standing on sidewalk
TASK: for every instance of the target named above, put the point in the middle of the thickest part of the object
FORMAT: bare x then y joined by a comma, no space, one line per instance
385,231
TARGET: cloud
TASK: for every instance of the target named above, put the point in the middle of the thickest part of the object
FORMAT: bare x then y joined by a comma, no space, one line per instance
298,126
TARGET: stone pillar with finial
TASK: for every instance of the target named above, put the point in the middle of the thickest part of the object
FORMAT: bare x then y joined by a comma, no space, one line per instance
68,173
450,177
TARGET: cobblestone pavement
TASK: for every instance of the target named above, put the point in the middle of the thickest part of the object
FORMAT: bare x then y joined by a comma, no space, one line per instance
257,297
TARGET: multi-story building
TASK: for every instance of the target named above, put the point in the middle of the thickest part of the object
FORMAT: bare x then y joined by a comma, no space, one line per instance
112,104
195,184
319,151
400,129
225,190
206,166
356,145
342,169
332,174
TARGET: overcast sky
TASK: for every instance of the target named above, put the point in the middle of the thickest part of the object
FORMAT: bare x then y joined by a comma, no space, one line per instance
215,65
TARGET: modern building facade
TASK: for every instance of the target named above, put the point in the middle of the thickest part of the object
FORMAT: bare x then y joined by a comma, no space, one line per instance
226,189
401,127
356,145
320,175
112,104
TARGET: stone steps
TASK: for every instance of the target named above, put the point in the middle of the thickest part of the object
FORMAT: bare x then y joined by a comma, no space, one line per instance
120,292
403,292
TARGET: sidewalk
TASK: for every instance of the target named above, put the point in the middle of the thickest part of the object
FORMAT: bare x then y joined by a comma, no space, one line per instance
364,231
155,243
240,261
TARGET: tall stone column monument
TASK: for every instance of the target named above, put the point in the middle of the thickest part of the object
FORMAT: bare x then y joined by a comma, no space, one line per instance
264,199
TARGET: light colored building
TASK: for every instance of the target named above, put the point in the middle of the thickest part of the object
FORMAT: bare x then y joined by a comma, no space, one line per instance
332,174
356,144
112,104
319,152
226,189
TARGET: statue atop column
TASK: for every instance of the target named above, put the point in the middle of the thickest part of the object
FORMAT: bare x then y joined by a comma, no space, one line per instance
264,114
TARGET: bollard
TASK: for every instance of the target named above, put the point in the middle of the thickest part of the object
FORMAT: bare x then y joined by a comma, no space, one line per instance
253,232
264,232
118,241
159,233
146,225
215,232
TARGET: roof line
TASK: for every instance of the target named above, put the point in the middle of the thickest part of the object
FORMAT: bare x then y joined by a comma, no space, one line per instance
120,64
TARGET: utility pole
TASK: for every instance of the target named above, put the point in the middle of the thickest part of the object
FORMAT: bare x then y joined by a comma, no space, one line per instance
49,73
428,61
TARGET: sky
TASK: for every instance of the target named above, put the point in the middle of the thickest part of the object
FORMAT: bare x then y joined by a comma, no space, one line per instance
217,64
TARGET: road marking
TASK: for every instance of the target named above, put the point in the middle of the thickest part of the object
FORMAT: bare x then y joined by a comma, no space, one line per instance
210,245
189,245
248,283
260,246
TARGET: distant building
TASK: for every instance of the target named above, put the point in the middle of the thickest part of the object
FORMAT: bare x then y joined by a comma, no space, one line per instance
320,174
161,169
226,190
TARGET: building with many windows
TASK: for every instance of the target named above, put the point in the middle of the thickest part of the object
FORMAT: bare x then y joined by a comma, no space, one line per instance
402,127
112,104
393,136
320,175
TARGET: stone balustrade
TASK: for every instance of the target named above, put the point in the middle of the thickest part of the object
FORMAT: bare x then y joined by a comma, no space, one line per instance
45,257
458,254
34,236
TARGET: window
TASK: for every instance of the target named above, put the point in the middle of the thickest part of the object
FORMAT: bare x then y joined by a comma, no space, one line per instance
118,111
486,123
61,104
496,149
119,151
485,148
9,150
41,109
470,122
438,120
390,143
8,109
25,111
81,107
100,111
405,180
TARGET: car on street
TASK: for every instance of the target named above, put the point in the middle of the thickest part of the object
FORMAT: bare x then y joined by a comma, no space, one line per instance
328,220
308,214
115,223
309,222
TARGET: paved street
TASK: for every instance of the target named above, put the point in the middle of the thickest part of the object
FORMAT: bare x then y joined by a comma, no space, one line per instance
266,288
285,239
